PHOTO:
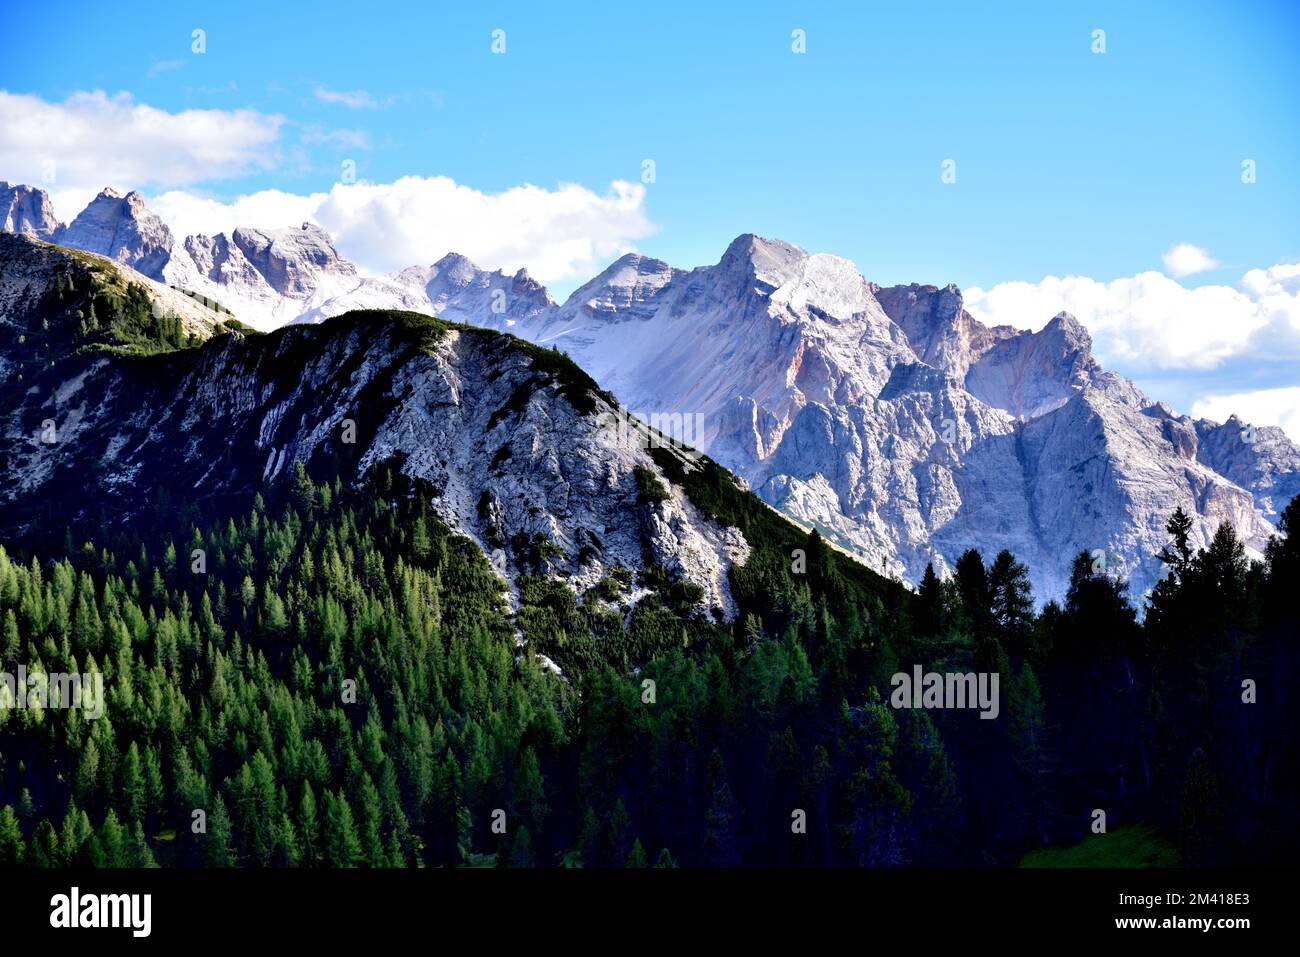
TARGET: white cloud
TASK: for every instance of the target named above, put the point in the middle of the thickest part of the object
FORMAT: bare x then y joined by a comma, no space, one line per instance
187,214
1184,259
352,99
68,203
1150,322
1280,407
569,232
92,139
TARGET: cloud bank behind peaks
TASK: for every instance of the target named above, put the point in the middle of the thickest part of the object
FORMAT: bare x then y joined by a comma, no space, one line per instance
1213,351
1150,322
1279,406
570,232
93,139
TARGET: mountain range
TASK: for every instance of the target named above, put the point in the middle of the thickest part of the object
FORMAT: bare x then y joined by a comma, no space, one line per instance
889,418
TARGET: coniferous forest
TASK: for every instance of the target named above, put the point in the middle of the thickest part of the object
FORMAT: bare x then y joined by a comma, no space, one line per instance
331,678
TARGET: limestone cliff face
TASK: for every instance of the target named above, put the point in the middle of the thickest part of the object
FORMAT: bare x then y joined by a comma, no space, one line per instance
123,229
906,430
27,211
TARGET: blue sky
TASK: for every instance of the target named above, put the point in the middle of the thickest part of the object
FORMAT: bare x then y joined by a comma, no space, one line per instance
1068,162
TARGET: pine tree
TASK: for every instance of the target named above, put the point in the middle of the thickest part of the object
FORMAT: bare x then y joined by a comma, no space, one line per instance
929,604
219,848
74,835
285,849
141,853
521,849
421,543
637,858
1012,603
589,839
87,778
617,842
133,787
342,847
12,846
303,494
114,840
973,585
44,849
1178,554
309,827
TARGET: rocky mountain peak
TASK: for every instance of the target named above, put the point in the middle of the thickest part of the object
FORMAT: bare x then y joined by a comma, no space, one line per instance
1031,373
291,260
27,210
124,229
624,289
456,268
939,329
456,289
771,262
920,308
1069,332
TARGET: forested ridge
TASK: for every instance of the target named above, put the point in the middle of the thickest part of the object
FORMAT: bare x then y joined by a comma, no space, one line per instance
322,674
669,738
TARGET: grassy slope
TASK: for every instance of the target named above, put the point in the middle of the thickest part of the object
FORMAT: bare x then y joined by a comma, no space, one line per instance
1138,845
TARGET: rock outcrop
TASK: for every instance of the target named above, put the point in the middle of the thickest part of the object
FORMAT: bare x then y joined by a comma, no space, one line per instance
123,229
27,211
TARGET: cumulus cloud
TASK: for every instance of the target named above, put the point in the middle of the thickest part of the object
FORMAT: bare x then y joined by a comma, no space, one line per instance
187,214
1280,407
1184,259
1150,322
569,232
93,139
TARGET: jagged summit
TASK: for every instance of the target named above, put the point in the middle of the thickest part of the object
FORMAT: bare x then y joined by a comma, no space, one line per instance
622,289
457,268
759,255
26,210
122,228
1070,329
